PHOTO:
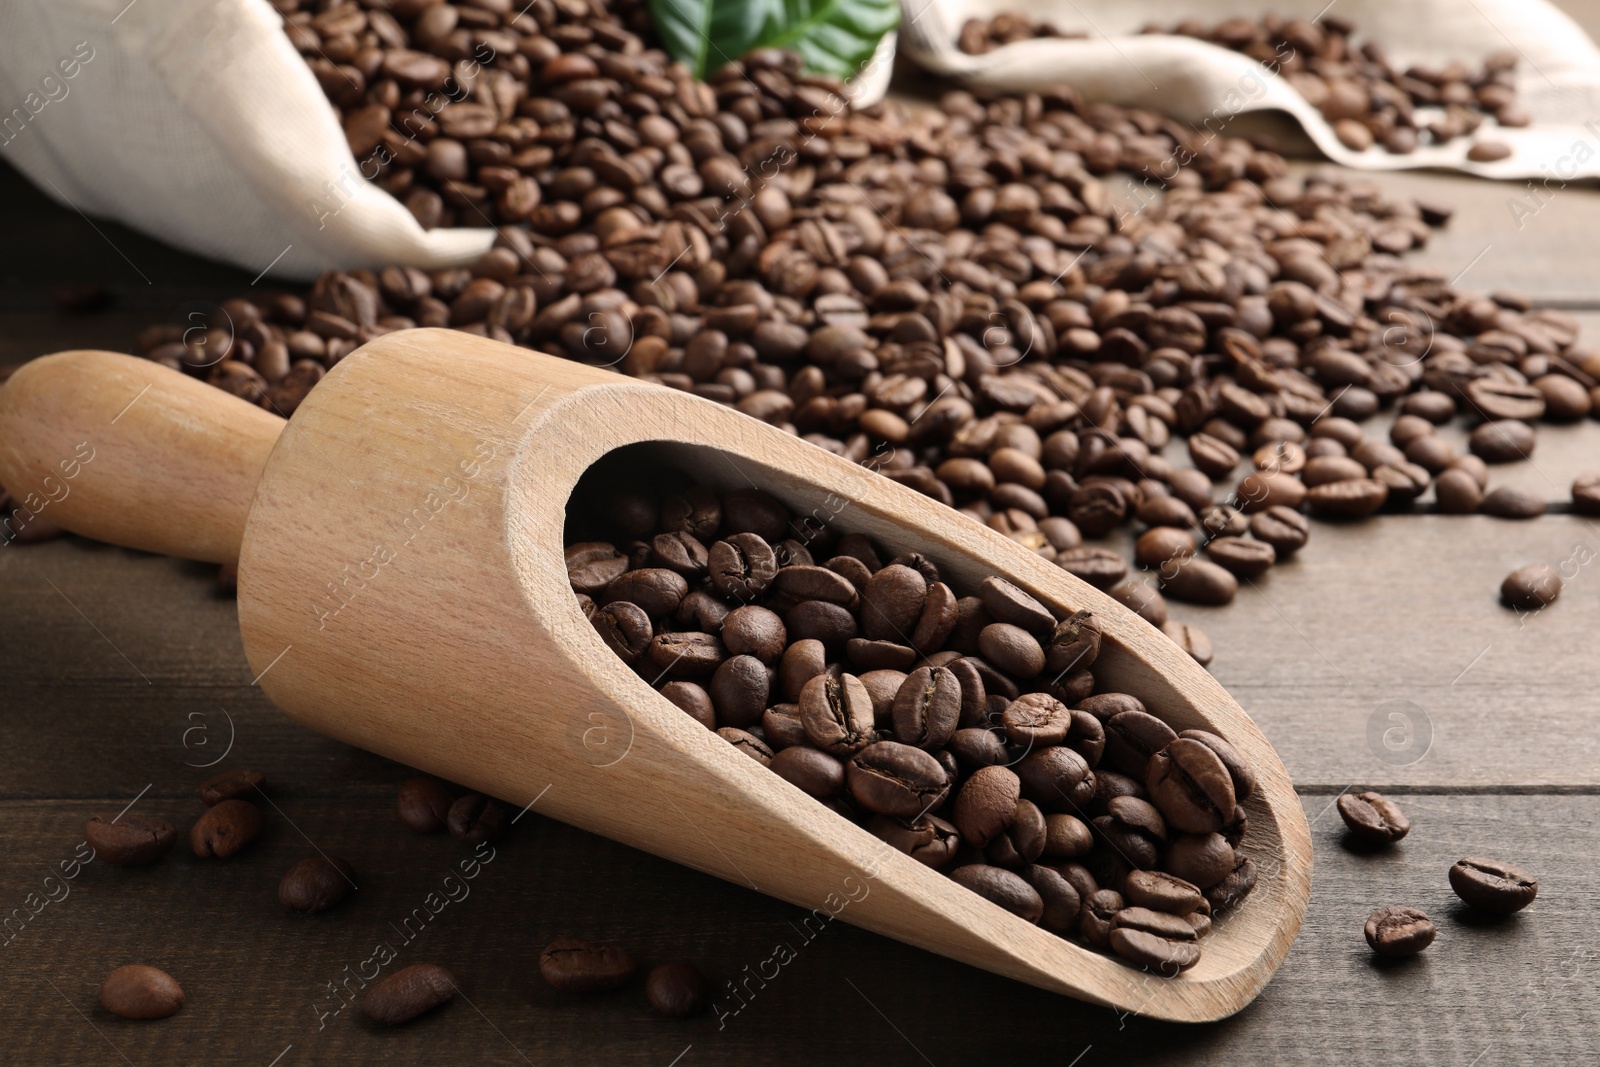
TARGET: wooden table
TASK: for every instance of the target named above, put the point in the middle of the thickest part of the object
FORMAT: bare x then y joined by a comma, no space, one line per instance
1378,658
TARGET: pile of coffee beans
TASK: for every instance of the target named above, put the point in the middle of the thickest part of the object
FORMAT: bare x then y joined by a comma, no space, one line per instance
968,731
1366,98
954,298
979,36
1369,100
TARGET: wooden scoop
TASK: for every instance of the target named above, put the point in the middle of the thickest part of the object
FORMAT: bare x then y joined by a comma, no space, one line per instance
402,588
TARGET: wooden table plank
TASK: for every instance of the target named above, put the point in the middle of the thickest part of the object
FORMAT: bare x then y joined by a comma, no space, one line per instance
256,976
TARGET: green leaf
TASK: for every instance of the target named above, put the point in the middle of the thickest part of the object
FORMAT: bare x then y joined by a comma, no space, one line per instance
707,34
834,37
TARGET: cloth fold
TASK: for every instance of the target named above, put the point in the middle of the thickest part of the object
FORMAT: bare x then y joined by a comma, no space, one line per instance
1558,73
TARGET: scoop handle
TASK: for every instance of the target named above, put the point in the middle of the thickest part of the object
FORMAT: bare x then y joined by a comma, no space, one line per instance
128,451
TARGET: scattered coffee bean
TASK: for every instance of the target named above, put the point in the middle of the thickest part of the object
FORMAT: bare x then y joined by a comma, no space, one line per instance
136,991
1509,502
1373,817
1493,886
1586,494
237,784
408,993
316,884
1399,931
677,990
1532,587
575,966
475,818
129,840
423,804
225,828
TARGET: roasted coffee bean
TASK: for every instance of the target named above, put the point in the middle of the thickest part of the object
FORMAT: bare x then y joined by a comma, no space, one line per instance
1457,492
1373,817
1198,581
1280,527
1099,909
892,603
1493,886
1002,887
1074,643
129,840
1134,829
739,691
677,990
1006,603
423,804
686,655
810,770
1060,900
316,884
237,784
1243,557
1161,891
1350,499
1260,490
802,661
1036,720
1399,931
1056,778
927,708
985,804
755,631
1066,837
741,566
679,551
625,628
475,818
1100,567
797,583
890,778
1502,441
1155,940
225,828
136,991
1022,841
408,993
1201,859
575,966
1244,778
781,727
1233,888
1161,544
929,840
1132,737
1190,786
1012,649
1532,587
593,565
1191,639
1509,502
837,713
1139,598
656,590
748,743
1586,494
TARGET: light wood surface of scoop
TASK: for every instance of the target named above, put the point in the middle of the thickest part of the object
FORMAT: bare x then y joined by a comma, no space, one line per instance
402,588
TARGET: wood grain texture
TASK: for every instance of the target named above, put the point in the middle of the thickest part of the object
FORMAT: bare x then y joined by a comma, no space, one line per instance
256,976
127,451
1403,618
